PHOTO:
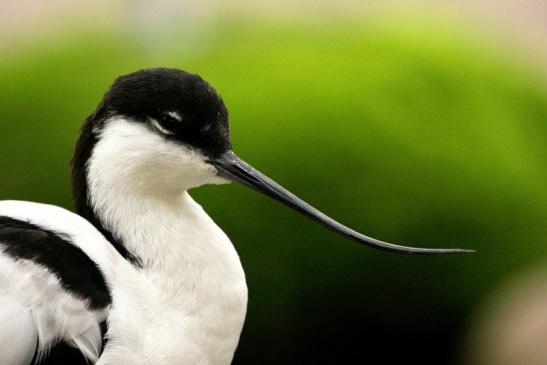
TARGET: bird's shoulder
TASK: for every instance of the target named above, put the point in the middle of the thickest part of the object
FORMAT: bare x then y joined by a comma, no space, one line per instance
53,285
77,230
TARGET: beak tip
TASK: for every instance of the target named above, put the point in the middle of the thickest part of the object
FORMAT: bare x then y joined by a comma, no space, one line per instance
464,250
454,251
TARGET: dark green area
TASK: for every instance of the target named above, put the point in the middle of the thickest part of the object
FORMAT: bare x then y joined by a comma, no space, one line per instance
420,136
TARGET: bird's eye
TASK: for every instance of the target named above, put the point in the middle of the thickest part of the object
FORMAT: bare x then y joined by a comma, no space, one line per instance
167,122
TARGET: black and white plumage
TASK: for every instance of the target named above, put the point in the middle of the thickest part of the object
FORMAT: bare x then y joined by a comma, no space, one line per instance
140,266
50,288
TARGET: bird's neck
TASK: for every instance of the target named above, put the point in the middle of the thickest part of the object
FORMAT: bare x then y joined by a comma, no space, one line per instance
150,231
159,231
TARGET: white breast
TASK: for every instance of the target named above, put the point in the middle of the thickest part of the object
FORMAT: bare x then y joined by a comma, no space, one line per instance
187,305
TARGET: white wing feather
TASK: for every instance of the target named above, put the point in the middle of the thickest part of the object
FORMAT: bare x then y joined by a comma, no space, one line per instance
36,312
89,343
18,335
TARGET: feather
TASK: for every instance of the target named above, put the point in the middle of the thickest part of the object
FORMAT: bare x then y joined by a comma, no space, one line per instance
89,343
18,336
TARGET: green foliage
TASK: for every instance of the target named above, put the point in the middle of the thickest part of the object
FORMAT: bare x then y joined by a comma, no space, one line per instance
415,135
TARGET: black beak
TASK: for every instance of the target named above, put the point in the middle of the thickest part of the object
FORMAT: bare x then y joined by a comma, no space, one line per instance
233,168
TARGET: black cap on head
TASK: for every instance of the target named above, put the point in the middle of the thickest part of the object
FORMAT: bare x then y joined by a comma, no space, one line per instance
182,105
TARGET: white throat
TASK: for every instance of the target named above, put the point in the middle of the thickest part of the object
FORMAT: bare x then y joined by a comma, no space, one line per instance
138,185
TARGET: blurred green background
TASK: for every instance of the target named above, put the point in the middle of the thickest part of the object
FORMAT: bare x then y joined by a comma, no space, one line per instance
412,130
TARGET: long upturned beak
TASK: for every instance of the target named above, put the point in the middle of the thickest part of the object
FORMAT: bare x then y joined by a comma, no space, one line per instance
233,168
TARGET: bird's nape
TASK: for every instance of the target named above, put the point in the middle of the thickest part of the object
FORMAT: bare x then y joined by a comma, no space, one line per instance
231,167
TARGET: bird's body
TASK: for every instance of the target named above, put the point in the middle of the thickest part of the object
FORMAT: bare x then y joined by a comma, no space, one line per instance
154,316
139,267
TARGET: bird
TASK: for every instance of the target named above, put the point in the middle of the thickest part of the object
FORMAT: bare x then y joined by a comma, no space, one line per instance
138,273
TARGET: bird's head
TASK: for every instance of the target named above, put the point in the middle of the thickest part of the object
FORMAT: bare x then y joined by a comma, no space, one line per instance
159,132
155,129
